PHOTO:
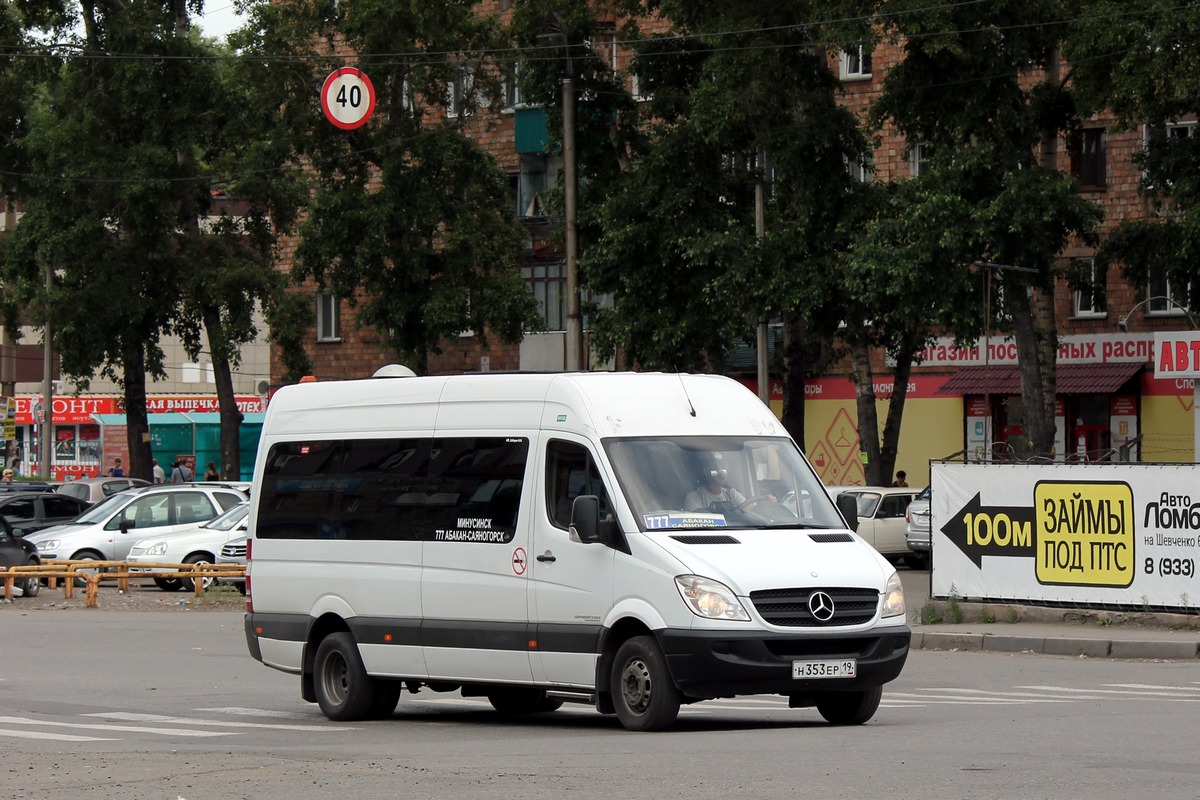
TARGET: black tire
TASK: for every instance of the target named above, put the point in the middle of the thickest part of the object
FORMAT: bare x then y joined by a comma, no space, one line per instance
522,701
169,584
387,695
344,690
31,586
850,708
197,558
643,694
86,555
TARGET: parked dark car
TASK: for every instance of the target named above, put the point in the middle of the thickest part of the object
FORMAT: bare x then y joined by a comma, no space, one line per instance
26,486
32,511
16,551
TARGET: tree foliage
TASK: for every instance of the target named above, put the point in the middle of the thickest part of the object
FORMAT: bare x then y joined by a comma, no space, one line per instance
410,217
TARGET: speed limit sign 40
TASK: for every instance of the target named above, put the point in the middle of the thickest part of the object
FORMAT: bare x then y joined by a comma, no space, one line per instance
348,98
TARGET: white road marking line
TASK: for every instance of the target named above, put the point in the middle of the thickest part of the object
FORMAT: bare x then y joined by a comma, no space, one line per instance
131,717
985,693
58,737
256,712
1152,686
1117,692
101,727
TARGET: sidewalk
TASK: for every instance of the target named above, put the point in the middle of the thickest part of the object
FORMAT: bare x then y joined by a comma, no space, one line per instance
1056,631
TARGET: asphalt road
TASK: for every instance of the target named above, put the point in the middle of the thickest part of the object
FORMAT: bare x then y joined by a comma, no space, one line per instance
168,704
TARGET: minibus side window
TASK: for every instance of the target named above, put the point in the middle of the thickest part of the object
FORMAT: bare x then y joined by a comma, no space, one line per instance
571,472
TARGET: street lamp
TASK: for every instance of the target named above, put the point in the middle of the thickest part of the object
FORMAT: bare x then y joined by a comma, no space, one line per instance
1170,369
1123,322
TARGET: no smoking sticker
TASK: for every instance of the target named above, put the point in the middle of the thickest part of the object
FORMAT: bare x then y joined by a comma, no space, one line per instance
519,560
348,98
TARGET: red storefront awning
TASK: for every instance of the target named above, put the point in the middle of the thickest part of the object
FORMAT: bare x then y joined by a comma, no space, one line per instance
1072,379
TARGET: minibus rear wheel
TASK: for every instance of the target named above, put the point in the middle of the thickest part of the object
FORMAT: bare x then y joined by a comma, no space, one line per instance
344,690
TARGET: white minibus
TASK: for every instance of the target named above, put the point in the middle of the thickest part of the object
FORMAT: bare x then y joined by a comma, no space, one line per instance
632,541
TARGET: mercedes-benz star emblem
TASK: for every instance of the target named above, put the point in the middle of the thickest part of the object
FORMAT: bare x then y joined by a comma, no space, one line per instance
821,606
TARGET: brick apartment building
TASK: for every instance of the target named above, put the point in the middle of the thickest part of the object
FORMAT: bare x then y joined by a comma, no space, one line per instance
1110,405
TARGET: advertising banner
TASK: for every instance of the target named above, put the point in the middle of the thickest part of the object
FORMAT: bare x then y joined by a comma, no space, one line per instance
1096,534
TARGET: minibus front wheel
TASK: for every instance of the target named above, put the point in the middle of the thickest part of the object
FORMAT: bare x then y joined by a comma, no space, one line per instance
643,694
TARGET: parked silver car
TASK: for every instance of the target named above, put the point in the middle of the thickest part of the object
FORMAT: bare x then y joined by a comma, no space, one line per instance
233,552
918,532
107,531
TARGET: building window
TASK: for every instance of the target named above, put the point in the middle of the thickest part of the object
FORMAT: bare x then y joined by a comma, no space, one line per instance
1159,136
1086,148
918,159
513,96
527,186
1089,302
1167,297
329,318
855,64
549,285
858,170
461,94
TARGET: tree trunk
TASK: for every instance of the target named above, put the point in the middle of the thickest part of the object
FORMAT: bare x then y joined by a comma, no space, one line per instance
231,416
890,449
868,417
1035,331
137,423
795,369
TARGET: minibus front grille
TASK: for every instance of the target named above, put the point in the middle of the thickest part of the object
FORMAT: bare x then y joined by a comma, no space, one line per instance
792,608
826,538
703,539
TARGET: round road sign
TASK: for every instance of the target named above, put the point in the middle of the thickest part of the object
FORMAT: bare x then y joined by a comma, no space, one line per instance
348,98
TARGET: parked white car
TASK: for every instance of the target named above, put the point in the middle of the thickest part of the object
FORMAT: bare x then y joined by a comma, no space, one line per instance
881,521
196,545
233,552
108,530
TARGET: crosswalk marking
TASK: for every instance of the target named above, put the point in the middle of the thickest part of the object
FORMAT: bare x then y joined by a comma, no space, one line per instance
103,727
235,720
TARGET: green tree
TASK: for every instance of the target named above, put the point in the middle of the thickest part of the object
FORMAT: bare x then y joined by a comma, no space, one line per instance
989,134
1140,61
120,138
410,218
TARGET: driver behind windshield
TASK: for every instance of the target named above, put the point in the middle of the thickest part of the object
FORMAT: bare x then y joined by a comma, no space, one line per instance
713,494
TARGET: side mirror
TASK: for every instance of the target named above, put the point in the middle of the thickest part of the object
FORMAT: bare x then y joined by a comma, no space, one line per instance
585,519
848,505
126,524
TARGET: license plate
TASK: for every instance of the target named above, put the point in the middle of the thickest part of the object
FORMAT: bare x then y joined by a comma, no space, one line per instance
833,668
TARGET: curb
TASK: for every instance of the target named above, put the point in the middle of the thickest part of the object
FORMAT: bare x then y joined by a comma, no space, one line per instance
1056,645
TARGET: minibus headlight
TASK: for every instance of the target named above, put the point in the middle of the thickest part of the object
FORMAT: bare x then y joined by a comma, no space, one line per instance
157,549
893,597
710,599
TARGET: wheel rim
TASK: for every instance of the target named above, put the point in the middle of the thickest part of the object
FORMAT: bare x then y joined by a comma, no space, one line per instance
333,678
636,686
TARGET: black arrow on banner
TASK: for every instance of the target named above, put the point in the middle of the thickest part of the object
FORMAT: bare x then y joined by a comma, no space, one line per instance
980,531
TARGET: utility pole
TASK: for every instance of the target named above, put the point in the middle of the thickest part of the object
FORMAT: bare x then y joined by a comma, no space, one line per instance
760,231
47,425
570,206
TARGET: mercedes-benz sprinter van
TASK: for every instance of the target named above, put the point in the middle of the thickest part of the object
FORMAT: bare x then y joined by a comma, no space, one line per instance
631,541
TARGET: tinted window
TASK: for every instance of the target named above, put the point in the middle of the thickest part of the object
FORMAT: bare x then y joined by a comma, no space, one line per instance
60,507
79,490
570,472
18,511
466,489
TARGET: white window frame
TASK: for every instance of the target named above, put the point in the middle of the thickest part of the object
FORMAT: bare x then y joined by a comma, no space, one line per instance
1172,130
329,317
1164,308
851,63
918,161
462,98
1083,305
858,171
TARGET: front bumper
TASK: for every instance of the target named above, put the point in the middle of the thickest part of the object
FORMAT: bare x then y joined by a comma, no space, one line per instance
709,664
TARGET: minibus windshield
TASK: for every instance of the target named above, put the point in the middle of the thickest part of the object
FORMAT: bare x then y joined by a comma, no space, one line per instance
720,482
